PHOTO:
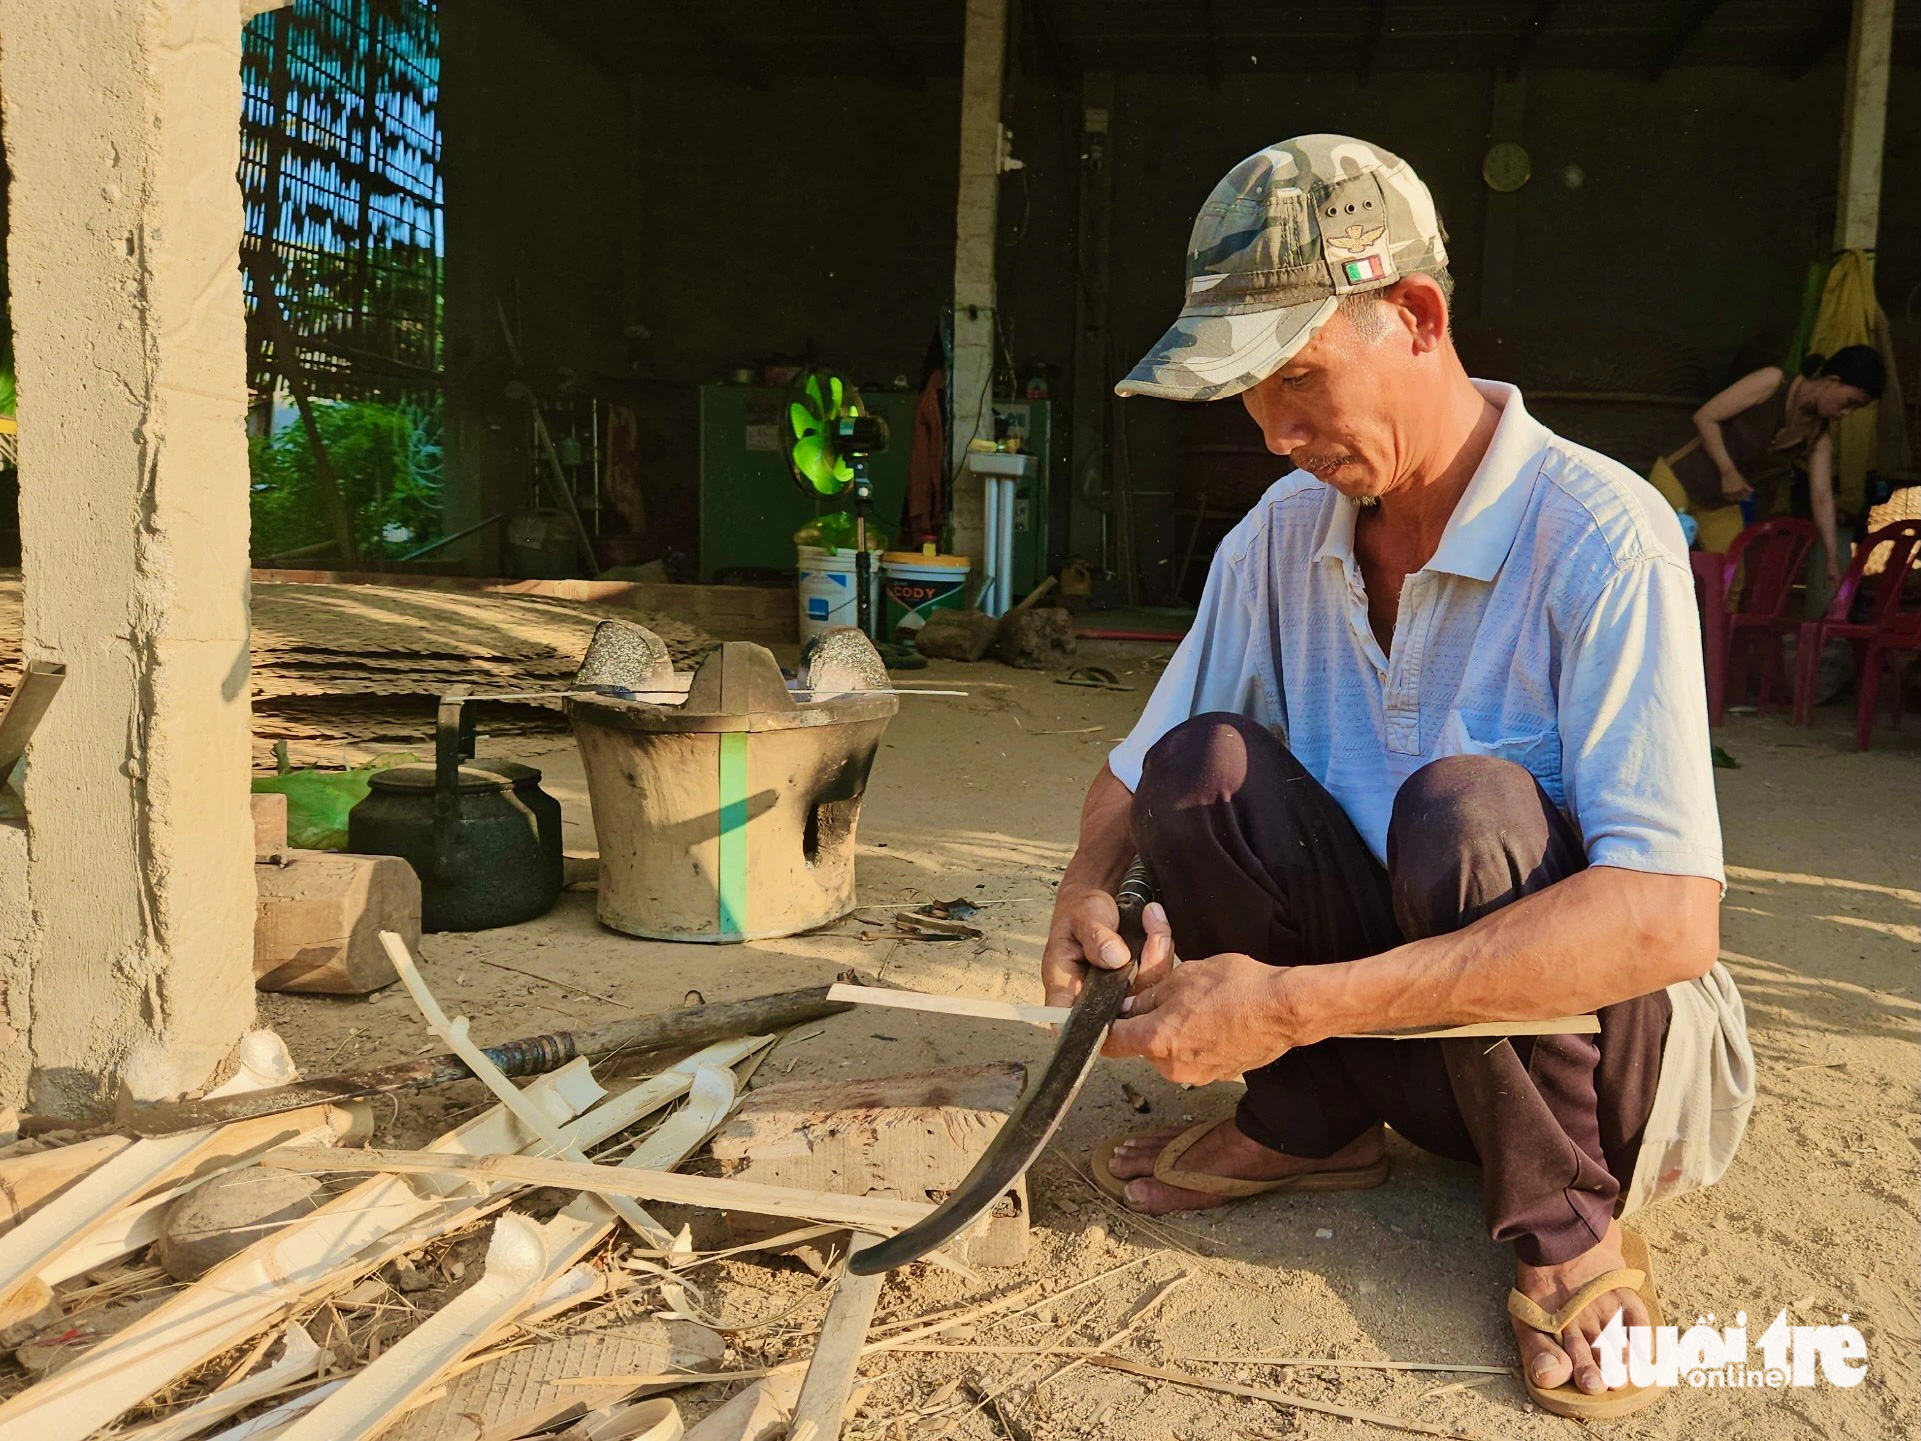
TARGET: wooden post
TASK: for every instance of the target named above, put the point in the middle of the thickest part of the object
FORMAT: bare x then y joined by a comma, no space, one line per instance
1864,123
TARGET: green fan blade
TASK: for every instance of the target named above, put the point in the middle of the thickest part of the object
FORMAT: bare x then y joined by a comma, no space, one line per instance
818,403
811,460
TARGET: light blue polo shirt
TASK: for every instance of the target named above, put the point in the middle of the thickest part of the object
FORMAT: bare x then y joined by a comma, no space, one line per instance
1555,626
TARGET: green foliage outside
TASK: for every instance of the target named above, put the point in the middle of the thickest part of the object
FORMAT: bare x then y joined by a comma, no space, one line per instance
388,461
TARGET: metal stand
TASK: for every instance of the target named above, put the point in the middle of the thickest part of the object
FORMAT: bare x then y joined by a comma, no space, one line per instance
863,559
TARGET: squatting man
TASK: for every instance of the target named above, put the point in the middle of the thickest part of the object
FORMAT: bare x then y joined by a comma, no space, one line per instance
1434,752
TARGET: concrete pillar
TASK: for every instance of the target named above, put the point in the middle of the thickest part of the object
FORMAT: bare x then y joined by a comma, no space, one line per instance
1864,123
122,126
970,385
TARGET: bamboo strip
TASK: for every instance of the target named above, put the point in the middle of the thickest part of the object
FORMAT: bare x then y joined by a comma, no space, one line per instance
877,1213
1585,1025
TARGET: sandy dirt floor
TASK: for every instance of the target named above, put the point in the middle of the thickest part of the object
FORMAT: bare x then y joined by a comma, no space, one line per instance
977,798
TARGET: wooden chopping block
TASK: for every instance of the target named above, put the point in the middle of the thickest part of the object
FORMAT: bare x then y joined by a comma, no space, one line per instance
910,1137
269,824
319,916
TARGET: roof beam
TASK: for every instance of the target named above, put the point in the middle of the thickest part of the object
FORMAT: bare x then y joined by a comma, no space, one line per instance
898,60
1523,46
1211,45
1813,46
733,59
1686,26
1371,43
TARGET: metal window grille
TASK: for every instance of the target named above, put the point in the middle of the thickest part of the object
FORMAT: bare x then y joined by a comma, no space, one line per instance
340,167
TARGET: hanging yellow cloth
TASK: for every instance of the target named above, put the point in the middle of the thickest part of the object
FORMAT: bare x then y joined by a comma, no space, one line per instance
1849,315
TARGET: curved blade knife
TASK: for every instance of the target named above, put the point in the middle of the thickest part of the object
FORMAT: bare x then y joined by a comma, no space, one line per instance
1039,1111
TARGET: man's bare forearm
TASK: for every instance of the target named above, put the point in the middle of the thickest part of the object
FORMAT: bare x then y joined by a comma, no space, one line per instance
1106,843
1602,936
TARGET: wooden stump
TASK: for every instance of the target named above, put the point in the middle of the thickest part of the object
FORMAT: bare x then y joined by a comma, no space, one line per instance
319,916
911,1138
1036,639
956,635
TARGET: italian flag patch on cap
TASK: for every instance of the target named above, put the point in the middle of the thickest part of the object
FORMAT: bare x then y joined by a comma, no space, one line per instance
1368,267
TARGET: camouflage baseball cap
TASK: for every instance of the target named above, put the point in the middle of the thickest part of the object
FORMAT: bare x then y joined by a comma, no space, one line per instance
1286,233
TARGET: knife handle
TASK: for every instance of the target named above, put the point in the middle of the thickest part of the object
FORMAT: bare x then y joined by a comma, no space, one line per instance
1134,892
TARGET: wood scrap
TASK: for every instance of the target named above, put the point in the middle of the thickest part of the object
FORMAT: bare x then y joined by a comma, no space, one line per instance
655,1420
873,1212
31,1306
837,1351
268,1425
916,926
758,1413
409,1369
318,916
27,1181
299,1359
912,1137
524,1390
1280,1398
131,1228
152,1165
350,1237
454,1032
531,1055
516,1264
269,824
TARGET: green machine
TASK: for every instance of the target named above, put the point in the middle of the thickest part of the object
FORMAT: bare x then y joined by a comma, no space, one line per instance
750,506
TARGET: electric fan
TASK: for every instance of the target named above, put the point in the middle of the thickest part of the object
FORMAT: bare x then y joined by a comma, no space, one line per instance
829,436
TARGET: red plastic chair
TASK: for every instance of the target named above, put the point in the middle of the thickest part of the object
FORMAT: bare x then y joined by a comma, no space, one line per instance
1711,595
1884,614
1900,631
1768,559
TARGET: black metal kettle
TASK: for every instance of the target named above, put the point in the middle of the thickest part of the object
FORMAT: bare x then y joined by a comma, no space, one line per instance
483,837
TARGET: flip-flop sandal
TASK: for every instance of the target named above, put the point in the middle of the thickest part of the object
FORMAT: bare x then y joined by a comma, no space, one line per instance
1568,1399
1167,1169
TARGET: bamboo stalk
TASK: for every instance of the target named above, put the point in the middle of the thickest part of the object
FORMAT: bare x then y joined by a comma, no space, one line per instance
880,1214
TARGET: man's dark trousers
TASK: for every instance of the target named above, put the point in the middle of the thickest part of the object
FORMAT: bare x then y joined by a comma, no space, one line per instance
1251,854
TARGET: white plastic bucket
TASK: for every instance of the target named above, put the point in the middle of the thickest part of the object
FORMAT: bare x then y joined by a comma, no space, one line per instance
919,584
826,586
